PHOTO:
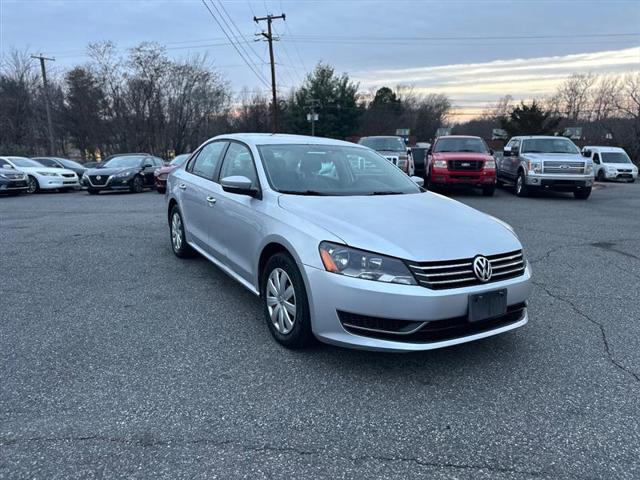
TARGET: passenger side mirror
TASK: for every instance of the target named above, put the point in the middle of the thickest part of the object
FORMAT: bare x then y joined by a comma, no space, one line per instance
418,181
506,152
586,153
147,165
491,152
239,184
6,165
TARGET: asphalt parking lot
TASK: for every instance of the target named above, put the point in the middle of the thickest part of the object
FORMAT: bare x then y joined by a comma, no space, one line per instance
120,360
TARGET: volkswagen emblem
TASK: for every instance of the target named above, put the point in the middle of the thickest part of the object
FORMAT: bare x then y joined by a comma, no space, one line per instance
98,177
482,268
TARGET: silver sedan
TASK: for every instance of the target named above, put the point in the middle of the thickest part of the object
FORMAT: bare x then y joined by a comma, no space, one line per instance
342,246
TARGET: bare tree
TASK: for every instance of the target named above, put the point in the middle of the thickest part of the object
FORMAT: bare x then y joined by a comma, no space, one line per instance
574,95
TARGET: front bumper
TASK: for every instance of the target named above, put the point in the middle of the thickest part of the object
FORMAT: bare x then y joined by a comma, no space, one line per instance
161,183
623,176
463,177
51,183
112,183
559,182
330,293
13,185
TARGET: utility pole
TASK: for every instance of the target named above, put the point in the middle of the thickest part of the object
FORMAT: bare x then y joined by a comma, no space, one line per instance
46,98
269,37
312,116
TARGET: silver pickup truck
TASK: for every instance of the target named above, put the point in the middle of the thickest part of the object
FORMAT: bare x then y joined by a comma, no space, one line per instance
539,162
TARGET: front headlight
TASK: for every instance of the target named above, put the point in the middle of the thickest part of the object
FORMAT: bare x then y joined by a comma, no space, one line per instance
440,164
48,174
490,165
588,168
535,167
355,263
125,174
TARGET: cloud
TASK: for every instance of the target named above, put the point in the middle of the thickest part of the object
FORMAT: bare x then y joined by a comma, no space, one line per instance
484,82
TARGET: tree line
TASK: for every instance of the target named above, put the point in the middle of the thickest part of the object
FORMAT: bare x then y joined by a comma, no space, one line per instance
145,101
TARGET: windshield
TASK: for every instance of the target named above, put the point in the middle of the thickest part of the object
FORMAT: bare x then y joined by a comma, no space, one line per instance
129,161
25,162
475,145
332,170
70,163
615,157
549,145
180,159
392,144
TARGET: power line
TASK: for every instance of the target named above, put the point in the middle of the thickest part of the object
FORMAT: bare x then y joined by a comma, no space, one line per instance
248,44
251,67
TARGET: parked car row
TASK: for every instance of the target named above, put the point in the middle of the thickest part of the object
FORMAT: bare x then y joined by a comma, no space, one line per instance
38,176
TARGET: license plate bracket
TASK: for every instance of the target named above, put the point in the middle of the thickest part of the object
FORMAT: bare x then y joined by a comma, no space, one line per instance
486,305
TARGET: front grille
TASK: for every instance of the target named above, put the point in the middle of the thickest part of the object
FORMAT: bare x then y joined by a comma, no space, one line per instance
431,331
103,179
68,175
625,170
459,273
564,167
473,165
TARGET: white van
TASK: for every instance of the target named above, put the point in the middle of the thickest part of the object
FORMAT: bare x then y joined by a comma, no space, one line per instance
611,163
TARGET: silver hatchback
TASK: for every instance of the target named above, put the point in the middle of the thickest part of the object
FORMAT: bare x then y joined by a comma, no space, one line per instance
342,246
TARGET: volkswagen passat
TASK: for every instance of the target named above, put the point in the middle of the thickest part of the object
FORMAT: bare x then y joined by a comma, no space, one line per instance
324,231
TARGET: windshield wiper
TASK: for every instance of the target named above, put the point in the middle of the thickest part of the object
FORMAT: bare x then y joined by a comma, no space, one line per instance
390,192
303,192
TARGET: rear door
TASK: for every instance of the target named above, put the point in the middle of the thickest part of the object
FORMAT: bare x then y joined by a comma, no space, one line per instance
198,198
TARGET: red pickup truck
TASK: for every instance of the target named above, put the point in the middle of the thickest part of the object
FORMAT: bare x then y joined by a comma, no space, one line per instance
461,160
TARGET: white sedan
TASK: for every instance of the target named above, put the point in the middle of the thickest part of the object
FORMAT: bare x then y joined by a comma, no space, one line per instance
40,177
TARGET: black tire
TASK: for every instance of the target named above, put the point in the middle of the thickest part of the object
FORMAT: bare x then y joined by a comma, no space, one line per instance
93,191
161,190
582,194
32,185
521,185
600,176
300,334
489,191
136,185
179,247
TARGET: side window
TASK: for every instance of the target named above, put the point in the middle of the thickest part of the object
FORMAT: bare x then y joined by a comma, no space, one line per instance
515,145
238,162
596,158
207,160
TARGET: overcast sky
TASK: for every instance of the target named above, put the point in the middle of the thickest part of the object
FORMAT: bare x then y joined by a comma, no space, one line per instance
475,51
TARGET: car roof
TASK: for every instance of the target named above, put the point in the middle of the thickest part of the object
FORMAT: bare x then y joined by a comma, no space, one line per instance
603,148
382,136
528,137
14,157
457,136
256,139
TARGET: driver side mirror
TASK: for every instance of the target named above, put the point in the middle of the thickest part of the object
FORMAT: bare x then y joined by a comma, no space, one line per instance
491,152
6,165
586,153
147,165
240,185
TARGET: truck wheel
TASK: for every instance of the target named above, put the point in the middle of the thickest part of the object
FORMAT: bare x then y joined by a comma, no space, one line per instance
582,194
521,185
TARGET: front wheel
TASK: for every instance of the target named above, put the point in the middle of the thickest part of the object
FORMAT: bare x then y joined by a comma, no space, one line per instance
600,176
32,185
521,186
286,307
136,185
582,194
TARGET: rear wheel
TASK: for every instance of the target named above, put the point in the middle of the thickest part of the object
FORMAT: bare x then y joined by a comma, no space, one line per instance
582,194
286,307
521,185
179,243
32,185
136,185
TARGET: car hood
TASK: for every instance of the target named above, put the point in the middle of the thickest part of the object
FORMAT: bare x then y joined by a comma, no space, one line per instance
10,170
419,227
392,153
460,156
553,157
109,171
44,169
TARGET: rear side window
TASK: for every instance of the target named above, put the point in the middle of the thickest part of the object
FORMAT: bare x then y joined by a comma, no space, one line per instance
204,165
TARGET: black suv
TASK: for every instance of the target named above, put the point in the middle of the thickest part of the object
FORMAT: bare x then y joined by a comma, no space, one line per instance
126,171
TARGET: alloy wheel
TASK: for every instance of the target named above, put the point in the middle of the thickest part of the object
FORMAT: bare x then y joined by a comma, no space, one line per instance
176,232
32,186
519,185
281,301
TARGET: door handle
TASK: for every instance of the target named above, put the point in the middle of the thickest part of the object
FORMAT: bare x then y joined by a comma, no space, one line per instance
211,201
182,186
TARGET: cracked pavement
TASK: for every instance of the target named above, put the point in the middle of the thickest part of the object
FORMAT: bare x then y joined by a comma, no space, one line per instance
120,361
